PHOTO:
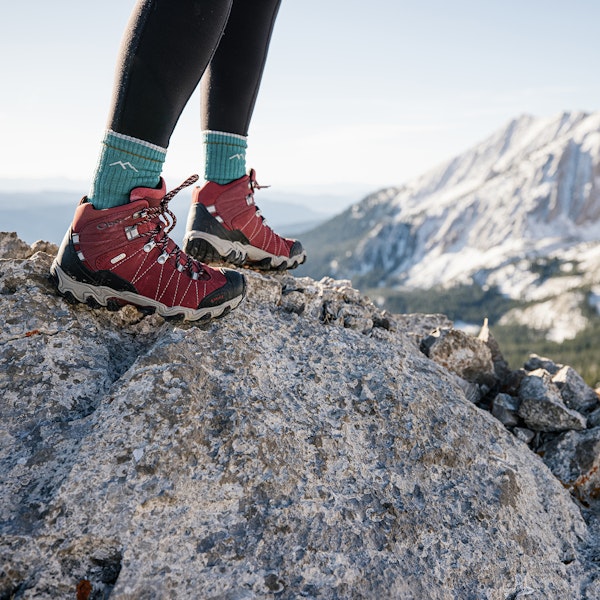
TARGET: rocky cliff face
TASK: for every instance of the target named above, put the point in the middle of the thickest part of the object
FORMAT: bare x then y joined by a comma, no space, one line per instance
303,447
530,189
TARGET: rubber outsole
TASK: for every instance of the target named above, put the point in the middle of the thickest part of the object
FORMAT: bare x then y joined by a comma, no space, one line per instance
210,249
102,296
205,252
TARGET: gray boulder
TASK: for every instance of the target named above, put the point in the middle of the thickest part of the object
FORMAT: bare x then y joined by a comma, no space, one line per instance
298,448
575,392
574,458
542,407
535,362
506,408
524,434
594,418
468,357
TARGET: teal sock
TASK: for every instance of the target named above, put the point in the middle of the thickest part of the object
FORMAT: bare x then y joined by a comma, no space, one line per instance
125,163
225,156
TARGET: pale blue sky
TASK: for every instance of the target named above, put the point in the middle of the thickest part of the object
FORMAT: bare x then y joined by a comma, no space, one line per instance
374,92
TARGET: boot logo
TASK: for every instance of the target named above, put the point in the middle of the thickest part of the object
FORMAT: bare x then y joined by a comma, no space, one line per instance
123,165
108,224
218,299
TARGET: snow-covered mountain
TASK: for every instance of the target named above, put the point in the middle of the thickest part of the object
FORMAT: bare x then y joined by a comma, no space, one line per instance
520,211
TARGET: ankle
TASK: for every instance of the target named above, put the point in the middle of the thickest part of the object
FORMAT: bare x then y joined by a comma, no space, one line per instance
225,156
125,163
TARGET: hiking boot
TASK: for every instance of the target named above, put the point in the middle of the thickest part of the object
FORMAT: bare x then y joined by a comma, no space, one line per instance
224,224
123,255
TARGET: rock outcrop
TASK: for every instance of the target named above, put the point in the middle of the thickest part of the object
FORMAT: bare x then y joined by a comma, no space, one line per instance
546,405
302,447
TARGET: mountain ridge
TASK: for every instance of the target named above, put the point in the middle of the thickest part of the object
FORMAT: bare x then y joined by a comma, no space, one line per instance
529,192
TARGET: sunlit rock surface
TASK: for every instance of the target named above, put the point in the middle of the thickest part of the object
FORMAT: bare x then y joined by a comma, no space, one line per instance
301,447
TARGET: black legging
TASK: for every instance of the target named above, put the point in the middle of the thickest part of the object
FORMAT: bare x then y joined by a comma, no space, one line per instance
171,44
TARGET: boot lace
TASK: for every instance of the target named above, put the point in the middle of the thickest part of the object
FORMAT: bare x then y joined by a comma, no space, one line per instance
254,185
165,221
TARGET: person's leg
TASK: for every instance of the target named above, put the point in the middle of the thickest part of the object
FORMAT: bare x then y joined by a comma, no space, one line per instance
230,86
224,223
166,49
118,249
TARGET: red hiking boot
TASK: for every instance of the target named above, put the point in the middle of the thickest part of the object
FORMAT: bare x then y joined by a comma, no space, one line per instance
123,255
224,224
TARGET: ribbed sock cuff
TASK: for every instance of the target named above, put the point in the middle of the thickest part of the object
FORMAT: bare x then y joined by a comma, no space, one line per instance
124,164
225,156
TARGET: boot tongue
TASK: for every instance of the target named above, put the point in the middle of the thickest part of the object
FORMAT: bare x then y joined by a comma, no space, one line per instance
151,195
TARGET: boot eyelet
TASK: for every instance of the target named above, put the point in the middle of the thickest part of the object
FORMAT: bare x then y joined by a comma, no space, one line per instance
132,232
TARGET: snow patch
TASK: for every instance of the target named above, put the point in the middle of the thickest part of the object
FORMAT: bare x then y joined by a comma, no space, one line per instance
560,317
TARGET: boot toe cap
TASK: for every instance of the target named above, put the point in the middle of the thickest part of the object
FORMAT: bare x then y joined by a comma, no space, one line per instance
296,249
234,287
